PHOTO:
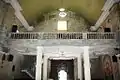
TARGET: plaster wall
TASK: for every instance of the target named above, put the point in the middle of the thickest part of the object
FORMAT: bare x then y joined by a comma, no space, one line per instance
49,22
7,17
114,18
6,72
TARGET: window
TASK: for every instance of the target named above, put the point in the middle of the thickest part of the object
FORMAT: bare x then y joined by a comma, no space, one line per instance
62,25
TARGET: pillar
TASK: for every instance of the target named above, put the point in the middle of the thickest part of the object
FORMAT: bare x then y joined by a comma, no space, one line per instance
75,69
49,67
45,70
39,63
80,68
87,73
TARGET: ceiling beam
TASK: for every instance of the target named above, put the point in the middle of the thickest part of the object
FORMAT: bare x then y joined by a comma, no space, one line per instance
15,4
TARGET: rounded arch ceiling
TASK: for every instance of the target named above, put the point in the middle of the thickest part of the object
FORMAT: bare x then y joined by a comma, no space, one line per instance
89,9
49,22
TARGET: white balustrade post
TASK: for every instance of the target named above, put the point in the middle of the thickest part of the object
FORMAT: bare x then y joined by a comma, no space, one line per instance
39,63
84,35
87,73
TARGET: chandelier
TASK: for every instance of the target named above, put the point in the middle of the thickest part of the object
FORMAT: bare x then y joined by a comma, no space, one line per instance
62,12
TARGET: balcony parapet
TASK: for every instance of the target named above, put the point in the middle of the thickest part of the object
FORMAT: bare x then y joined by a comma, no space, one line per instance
62,35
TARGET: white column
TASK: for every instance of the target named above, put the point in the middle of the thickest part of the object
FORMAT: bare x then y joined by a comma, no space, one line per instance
87,73
49,67
39,63
79,67
75,69
45,68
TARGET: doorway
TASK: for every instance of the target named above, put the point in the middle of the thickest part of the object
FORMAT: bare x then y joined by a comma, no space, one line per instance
62,66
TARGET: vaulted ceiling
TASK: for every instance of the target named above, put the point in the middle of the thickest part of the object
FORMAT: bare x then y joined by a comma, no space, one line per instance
89,9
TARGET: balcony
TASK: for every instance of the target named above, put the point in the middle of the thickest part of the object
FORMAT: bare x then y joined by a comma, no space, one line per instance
62,35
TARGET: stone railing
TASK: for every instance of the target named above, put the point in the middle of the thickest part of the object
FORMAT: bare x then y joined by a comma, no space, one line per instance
60,35
98,35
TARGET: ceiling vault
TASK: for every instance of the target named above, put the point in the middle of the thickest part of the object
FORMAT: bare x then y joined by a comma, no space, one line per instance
89,9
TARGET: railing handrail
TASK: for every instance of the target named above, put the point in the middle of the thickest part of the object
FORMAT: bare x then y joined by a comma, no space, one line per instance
59,32
63,35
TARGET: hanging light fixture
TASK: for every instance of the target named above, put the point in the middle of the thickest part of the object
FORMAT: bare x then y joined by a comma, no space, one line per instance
62,11
62,14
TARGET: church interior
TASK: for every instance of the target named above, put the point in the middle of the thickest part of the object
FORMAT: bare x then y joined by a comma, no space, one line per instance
59,40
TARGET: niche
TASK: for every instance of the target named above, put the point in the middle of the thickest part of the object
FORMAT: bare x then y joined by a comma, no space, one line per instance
10,57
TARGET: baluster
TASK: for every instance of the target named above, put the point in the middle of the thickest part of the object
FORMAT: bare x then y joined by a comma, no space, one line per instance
60,35
33,36
92,36
20,35
25,36
15,36
72,35
109,36
30,37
